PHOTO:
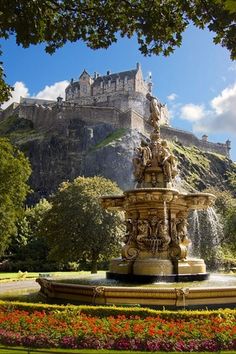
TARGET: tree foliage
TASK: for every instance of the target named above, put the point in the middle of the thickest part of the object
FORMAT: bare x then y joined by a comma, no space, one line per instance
158,25
27,247
77,226
14,173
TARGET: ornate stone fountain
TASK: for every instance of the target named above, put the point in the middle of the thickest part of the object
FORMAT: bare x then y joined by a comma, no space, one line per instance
156,240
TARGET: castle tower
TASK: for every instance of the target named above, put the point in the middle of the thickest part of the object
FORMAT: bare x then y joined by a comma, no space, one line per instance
85,82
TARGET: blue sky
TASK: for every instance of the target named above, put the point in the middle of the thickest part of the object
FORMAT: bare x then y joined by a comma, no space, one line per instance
198,81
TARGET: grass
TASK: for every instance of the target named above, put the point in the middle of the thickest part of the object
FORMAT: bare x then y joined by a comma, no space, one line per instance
117,134
193,154
89,351
33,275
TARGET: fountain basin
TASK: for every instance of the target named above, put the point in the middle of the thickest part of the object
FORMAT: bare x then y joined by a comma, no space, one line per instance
154,198
161,296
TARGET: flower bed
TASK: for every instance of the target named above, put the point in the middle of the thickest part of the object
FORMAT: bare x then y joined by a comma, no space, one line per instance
70,328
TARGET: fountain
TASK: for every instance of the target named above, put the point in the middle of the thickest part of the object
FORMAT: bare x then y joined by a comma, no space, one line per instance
156,241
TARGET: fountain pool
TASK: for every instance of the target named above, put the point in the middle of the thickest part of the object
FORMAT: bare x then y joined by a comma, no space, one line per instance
217,291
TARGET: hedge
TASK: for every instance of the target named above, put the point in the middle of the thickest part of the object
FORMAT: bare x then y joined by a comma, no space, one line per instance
106,311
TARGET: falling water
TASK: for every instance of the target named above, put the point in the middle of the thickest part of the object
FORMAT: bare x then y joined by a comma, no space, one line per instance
179,184
216,226
206,234
195,234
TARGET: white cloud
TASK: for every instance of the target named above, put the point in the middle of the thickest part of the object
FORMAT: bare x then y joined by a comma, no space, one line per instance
20,90
172,96
53,91
225,101
222,117
48,93
192,112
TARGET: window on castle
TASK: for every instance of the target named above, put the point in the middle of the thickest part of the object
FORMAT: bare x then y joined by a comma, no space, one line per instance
109,83
84,89
126,79
101,84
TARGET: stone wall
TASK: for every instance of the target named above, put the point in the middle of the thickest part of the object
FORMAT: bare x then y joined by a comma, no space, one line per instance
58,117
10,110
42,117
53,118
122,101
189,139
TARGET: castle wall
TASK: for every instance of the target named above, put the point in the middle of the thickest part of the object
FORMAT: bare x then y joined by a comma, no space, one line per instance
132,108
92,115
189,139
121,101
10,110
41,116
46,118
137,121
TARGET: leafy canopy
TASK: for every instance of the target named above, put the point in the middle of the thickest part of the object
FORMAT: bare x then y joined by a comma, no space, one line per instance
158,25
27,243
14,173
77,226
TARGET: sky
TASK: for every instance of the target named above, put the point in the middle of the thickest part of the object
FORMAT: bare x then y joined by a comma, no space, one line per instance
198,81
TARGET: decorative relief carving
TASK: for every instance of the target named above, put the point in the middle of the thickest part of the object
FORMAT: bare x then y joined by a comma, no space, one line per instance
153,162
179,236
151,235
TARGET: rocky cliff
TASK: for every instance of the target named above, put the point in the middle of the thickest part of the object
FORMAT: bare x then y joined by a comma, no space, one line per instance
77,148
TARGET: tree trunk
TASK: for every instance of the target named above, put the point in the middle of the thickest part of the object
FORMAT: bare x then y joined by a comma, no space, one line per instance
94,266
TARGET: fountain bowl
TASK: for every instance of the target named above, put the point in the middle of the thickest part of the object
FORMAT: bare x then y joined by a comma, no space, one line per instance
102,291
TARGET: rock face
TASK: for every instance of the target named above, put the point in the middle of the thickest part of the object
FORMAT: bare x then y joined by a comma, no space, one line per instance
99,149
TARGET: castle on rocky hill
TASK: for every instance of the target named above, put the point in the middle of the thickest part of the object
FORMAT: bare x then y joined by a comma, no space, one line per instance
117,99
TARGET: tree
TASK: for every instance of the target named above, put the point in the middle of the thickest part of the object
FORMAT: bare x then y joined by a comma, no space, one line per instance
28,249
157,24
77,226
14,173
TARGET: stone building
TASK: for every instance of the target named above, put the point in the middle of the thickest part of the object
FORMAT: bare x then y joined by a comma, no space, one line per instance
124,90
88,89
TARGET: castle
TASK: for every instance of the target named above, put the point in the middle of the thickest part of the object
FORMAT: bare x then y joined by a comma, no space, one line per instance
118,99
125,91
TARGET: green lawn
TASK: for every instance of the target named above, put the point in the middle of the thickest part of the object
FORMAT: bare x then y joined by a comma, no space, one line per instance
92,351
34,275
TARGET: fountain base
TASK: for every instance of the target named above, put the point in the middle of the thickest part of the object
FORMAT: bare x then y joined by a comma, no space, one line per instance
149,279
154,269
